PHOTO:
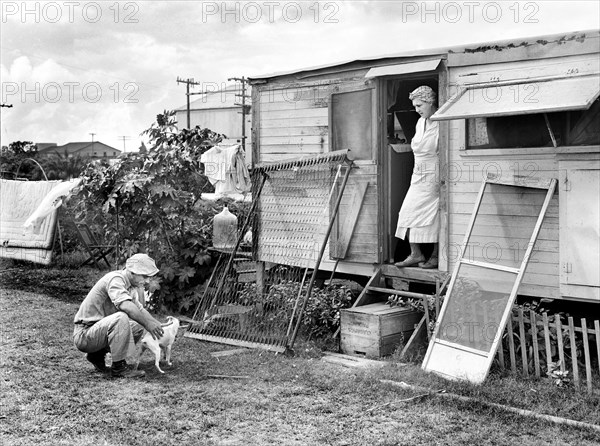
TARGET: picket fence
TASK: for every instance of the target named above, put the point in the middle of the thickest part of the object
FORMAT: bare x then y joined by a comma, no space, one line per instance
536,344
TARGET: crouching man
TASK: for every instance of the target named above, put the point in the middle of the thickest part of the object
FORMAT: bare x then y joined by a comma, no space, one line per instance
112,318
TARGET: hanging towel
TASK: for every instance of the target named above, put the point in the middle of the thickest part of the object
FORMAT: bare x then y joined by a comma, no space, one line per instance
52,201
239,176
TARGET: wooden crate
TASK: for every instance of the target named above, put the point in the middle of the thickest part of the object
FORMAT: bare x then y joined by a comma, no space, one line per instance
377,329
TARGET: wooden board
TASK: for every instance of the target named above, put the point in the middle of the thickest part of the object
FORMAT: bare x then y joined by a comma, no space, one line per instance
235,351
347,220
351,361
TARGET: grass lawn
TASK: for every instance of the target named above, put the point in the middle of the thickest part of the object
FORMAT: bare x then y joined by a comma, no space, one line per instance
50,394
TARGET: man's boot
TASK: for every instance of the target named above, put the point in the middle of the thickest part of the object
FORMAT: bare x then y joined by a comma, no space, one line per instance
120,369
98,360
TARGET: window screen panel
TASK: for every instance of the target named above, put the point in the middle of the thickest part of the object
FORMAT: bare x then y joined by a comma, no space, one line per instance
475,307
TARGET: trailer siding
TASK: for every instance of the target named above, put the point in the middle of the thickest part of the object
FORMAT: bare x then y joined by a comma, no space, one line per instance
293,122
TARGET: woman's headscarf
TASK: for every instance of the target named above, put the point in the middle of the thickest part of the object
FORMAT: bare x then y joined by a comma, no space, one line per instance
424,93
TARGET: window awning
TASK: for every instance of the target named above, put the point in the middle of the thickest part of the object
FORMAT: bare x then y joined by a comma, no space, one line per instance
404,68
573,93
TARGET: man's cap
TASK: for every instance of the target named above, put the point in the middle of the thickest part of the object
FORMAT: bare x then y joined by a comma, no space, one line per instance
141,264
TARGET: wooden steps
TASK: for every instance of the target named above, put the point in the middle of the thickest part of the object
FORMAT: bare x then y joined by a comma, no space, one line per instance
390,280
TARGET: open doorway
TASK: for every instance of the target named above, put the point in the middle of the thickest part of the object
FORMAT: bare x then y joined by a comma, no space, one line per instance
400,123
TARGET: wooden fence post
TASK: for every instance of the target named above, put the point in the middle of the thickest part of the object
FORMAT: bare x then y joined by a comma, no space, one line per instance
534,340
511,344
586,352
574,364
547,340
597,330
559,339
523,343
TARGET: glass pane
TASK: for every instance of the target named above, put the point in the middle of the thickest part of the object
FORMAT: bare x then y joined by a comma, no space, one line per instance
504,225
476,304
351,123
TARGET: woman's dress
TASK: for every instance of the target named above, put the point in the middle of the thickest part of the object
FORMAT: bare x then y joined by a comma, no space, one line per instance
419,211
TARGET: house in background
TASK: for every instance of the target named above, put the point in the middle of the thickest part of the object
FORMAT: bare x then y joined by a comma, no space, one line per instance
45,145
221,112
89,150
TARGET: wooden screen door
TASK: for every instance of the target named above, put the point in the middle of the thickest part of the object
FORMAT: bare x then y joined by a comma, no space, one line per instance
497,248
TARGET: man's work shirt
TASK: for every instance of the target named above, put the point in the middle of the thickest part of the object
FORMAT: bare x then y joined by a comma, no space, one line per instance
106,297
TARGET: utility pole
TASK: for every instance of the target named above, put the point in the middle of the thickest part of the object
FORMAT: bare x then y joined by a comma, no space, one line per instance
92,143
245,107
187,83
124,138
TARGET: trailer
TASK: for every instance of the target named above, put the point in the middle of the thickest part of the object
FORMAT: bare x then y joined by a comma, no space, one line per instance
517,110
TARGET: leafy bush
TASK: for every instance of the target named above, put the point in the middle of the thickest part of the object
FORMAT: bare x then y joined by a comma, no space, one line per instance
322,312
153,198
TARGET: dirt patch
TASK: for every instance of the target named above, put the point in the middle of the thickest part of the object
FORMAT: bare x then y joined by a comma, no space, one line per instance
67,285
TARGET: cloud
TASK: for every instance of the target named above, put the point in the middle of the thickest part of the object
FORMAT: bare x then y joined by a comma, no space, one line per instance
133,54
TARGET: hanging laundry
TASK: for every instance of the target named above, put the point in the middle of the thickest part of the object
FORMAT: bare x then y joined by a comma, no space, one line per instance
238,174
52,201
18,201
226,169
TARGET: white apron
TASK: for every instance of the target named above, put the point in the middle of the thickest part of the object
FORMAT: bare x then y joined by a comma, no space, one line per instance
419,210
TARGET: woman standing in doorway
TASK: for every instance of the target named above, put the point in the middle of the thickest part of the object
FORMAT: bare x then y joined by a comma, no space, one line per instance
419,220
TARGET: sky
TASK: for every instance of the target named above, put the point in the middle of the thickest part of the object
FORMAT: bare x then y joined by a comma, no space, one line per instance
71,69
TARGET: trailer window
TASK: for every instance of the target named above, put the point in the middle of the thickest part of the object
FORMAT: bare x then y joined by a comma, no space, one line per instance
571,128
351,123
561,111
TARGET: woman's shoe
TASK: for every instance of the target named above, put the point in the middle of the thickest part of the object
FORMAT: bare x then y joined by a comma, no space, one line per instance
432,263
410,261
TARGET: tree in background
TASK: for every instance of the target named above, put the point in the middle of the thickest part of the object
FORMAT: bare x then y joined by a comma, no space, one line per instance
63,167
14,159
18,156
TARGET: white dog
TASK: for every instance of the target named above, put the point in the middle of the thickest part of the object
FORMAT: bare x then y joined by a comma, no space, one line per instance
157,346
